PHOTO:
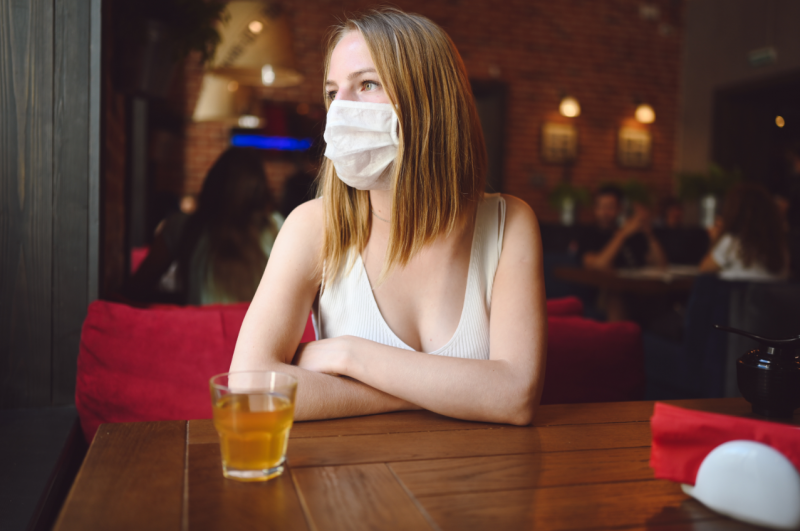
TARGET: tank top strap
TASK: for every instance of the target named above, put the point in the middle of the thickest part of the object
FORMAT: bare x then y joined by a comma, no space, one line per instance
491,220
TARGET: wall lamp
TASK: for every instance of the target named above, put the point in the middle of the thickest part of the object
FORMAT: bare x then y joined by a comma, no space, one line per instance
645,114
569,107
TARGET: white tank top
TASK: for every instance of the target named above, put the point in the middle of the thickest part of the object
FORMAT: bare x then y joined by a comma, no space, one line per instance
348,306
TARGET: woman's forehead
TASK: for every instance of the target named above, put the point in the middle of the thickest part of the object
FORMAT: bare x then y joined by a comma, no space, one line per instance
349,55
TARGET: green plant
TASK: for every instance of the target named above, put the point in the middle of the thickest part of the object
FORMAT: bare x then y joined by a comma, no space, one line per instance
191,23
633,191
636,191
564,190
715,181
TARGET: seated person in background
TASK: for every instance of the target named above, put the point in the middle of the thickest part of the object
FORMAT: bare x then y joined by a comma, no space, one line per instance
222,248
605,245
682,244
671,214
750,243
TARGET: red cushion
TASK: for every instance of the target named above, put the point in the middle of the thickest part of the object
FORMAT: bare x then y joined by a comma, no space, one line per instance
564,306
138,254
153,364
590,361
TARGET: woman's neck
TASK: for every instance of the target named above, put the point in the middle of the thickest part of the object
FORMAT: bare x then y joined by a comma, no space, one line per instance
381,204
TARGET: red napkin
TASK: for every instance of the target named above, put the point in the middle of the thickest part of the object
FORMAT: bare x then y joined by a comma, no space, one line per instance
682,438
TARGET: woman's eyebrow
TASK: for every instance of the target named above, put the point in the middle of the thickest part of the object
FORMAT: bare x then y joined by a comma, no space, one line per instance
357,73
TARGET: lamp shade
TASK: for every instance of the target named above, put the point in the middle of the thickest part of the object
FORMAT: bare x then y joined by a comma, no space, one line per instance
256,46
216,100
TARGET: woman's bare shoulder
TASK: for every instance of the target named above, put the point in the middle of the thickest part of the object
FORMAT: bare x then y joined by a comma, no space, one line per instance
519,213
311,212
303,232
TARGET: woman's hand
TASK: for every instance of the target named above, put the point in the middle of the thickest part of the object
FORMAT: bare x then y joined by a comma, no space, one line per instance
327,356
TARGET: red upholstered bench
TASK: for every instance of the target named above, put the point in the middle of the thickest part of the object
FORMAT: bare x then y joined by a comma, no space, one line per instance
154,364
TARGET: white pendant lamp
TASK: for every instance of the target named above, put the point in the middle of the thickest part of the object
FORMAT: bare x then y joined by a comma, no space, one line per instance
217,100
256,46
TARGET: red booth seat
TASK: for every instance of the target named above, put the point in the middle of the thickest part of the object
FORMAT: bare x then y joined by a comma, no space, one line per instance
154,364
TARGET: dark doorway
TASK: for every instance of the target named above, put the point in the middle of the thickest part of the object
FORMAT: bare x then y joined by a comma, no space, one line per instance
756,129
490,99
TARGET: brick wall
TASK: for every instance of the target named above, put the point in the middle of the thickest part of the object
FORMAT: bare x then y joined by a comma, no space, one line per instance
605,54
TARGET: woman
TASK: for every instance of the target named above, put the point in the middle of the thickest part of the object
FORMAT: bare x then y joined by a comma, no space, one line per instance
408,259
750,242
222,248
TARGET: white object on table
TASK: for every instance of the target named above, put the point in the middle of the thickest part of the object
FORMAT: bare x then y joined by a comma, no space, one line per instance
749,481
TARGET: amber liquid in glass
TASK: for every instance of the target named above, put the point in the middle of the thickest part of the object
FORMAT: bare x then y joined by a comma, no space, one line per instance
253,431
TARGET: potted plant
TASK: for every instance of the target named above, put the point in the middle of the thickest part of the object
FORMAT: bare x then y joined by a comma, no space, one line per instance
565,197
636,192
707,188
152,36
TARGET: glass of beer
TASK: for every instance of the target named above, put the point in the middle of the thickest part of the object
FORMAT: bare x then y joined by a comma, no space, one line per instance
253,413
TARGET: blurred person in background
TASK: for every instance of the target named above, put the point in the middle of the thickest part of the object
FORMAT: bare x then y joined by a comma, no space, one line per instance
750,242
300,187
671,213
221,249
607,245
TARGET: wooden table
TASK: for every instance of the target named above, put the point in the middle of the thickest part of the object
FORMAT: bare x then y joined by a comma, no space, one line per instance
616,282
580,466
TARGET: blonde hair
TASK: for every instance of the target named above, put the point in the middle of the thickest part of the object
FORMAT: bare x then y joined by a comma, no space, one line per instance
439,172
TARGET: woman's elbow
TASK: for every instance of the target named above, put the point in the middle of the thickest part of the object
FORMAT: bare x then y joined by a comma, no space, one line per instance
521,407
522,415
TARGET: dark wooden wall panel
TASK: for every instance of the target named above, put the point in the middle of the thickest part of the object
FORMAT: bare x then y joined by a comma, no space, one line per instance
70,189
49,197
26,193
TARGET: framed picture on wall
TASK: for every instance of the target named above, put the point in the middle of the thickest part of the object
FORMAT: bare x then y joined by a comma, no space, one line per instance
634,147
559,143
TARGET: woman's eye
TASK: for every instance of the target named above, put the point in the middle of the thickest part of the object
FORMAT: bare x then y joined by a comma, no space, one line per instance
370,85
332,95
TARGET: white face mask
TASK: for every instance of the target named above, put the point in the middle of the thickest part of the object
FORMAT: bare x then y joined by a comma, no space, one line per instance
362,142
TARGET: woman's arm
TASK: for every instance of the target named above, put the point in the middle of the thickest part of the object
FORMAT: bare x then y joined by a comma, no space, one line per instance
604,259
277,316
708,264
507,387
713,261
655,252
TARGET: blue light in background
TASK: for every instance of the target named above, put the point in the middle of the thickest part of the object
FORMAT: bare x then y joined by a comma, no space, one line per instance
280,143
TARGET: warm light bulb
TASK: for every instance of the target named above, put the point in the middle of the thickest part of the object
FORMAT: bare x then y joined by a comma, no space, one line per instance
267,75
779,121
233,86
569,107
645,114
255,27
248,121
188,204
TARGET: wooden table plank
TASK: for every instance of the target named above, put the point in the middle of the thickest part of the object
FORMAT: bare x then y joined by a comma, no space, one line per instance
202,431
132,474
512,472
614,281
357,497
610,505
501,440
606,412
717,523
219,503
